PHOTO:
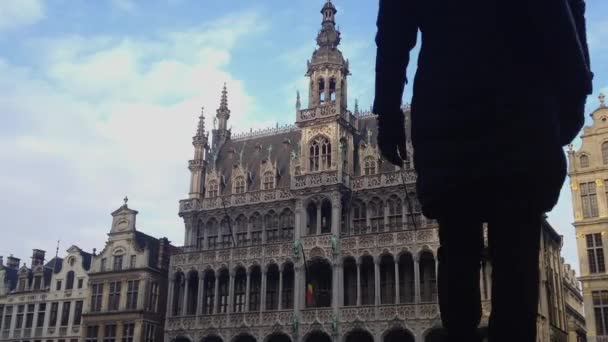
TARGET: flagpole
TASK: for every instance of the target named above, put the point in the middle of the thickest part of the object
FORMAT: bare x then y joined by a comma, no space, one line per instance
305,272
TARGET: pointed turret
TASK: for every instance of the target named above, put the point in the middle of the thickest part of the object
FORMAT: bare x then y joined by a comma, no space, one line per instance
198,164
221,133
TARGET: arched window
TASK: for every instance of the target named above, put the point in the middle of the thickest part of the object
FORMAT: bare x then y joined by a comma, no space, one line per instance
406,278
350,281
226,234
212,191
584,160
428,279
200,235
321,84
240,287
208,292
367,280
320,154
326,217
239,185
272,287
387,279
332,89
359,217
376,211
395,213
255,222
271,225
255,288
414,211
311,218
192,284
288,283
178,293
222,302
212,229
287,223
318,284
369,166
268,180
69,283
605,152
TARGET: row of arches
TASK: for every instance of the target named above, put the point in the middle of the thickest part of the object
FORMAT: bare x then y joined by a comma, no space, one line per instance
356,335
255,229
388,279
240,291
381,215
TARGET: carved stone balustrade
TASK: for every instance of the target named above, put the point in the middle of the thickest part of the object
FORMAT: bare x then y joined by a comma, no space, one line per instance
191,257
393,242
384,179
233,320
249,198
373,313
325,110
316,179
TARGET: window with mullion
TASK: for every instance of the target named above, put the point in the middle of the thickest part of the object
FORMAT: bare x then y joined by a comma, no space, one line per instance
109,333
595,253
132,293
589,200
600,310
114,296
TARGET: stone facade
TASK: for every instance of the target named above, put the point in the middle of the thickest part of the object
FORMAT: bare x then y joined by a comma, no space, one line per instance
127,282
304,233
575,312
588,175
44,302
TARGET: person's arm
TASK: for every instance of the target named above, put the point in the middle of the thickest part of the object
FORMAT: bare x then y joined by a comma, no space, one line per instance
397,32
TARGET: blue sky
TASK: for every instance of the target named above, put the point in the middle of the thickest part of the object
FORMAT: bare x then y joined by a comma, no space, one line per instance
100,99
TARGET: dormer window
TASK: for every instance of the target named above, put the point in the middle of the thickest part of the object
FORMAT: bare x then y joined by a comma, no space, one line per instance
239,185
117,265
369,166
268,180
22,283
320,154
584,161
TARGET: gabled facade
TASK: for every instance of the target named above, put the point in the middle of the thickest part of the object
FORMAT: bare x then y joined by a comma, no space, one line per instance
126,281
588,177
44,302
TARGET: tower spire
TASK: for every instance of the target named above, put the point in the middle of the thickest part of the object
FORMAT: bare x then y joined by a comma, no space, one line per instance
223,113
200,131
298,103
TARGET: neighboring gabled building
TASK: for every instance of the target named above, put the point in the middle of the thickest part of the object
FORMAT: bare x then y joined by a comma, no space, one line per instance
44,302
128,283
575,311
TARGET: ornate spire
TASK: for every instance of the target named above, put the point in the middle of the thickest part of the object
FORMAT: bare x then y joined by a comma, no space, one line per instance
329,35
602,98
223,113
298,103
200,131
356,107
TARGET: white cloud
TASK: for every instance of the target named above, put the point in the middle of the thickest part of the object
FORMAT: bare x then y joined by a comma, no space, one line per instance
19,13
124,5
104,117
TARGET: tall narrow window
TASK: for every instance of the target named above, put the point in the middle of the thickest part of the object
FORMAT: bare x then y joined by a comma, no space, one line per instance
114,296
213,189
149,333
96,297
369,166
54,312
223,292
387,280
69,282
326,217
133,261
241,230
332,89
209,293
128,331
212,228
320,154
226,233
272,288
321,88
153,300
239,185
22,284
41,314
132,293
287,222
268,180
19,322
92,333
8,317
288,282
589,200
428,280
271,226
311,218
359,217
103,265
256,228
109,333
37,282
255,289
376,209
77,313
65,313
605,152
595,253
29,316
240,284
58,287
414,211
395,213
600,311
117,263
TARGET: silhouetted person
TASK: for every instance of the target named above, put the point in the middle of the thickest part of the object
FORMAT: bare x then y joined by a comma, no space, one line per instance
499,90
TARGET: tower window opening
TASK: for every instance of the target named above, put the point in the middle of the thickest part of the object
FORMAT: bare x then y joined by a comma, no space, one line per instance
321,90
332,90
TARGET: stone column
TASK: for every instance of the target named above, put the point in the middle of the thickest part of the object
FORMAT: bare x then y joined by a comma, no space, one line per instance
336,214
199,297
169,299
319,218
298,219
336,289
231,276
358,282
377,280
297,287
186,290
385,211
216,298
263,290
403,214
247,289
280,289
397,281
416,279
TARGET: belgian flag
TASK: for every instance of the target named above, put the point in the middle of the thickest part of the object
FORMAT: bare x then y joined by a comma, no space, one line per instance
310,295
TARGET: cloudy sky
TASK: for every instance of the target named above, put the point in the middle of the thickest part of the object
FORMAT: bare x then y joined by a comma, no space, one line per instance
100,99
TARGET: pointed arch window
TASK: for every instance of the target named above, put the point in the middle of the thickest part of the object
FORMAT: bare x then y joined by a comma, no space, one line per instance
332,89
359,217
605,152
200,239
369,166
212,228
271,224
395,212
256,228
320,154
321,84
212,191
226,234
239,185
268,180
287,222
584,161
376,210
241,230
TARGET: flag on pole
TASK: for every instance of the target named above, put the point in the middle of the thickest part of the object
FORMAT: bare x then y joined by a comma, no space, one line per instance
309,295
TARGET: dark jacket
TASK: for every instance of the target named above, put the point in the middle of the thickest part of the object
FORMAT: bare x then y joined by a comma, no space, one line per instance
497,92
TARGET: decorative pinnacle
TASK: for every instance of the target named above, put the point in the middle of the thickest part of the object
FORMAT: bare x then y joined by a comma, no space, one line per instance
602,98
298,103
224,101
200,132
356,107
126,200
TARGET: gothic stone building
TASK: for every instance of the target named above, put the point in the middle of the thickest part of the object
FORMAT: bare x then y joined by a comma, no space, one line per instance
303,233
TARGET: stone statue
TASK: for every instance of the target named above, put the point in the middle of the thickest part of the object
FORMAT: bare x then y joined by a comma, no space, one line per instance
334,245
334,324
296,249
296,325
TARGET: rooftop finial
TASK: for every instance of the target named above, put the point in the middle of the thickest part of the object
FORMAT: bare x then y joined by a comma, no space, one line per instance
224,101
200,131
126,200
356,107
223,113
298,103
602,98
